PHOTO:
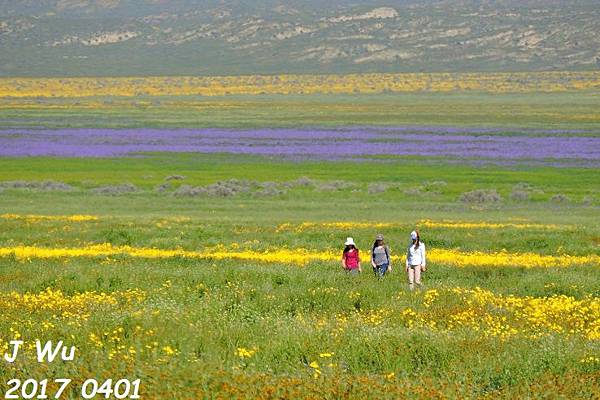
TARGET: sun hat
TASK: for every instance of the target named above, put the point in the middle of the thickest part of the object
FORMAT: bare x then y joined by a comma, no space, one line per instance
349,242
413,235
379,237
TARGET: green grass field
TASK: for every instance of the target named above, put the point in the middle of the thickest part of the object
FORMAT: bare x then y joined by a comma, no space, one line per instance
218,276
552,110
232,328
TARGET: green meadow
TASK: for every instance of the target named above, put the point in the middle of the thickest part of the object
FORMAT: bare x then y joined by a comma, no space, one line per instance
233,313
229,328
548,110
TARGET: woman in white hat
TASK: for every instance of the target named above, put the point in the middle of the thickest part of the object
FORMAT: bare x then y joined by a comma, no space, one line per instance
351,257
415,260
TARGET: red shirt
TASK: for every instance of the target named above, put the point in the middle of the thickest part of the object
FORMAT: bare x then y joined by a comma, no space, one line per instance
352,259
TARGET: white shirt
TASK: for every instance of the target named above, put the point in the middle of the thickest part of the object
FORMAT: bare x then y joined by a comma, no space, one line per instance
416,256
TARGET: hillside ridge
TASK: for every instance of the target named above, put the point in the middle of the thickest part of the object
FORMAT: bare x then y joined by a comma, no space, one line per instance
184,37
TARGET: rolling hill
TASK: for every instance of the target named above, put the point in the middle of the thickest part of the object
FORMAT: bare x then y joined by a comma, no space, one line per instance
184,37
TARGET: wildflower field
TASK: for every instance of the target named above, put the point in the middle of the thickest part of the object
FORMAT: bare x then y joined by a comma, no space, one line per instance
544,100
205,262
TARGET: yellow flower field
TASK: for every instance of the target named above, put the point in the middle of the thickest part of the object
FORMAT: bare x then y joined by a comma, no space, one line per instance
33,218
522,82
499,315
454,257
57,302
481,311
425,223
305,226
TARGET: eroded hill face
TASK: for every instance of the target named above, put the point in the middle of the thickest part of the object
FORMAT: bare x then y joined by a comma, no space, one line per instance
127,37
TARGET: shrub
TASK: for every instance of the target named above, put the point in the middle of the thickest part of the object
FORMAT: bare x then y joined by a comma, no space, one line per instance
163,187
413,191
335,185
55,186
303,181
219,190
269,189
587,201
174,178
115,190
429,188
37,185
434,187
189,191
522,191
519,195
559,198
481,196
377,187
523,186
227,188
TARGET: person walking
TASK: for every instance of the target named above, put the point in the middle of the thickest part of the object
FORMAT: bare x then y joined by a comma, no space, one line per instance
415,260
380,257
351,257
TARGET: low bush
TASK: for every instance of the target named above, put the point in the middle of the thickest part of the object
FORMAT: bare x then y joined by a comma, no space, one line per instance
481,196
115,190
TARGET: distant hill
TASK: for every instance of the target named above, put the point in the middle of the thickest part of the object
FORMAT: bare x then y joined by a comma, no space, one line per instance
185,37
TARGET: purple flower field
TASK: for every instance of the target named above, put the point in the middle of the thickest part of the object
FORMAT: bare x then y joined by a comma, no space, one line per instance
559,148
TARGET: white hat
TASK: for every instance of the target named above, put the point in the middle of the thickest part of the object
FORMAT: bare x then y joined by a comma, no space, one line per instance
413,235
349,242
